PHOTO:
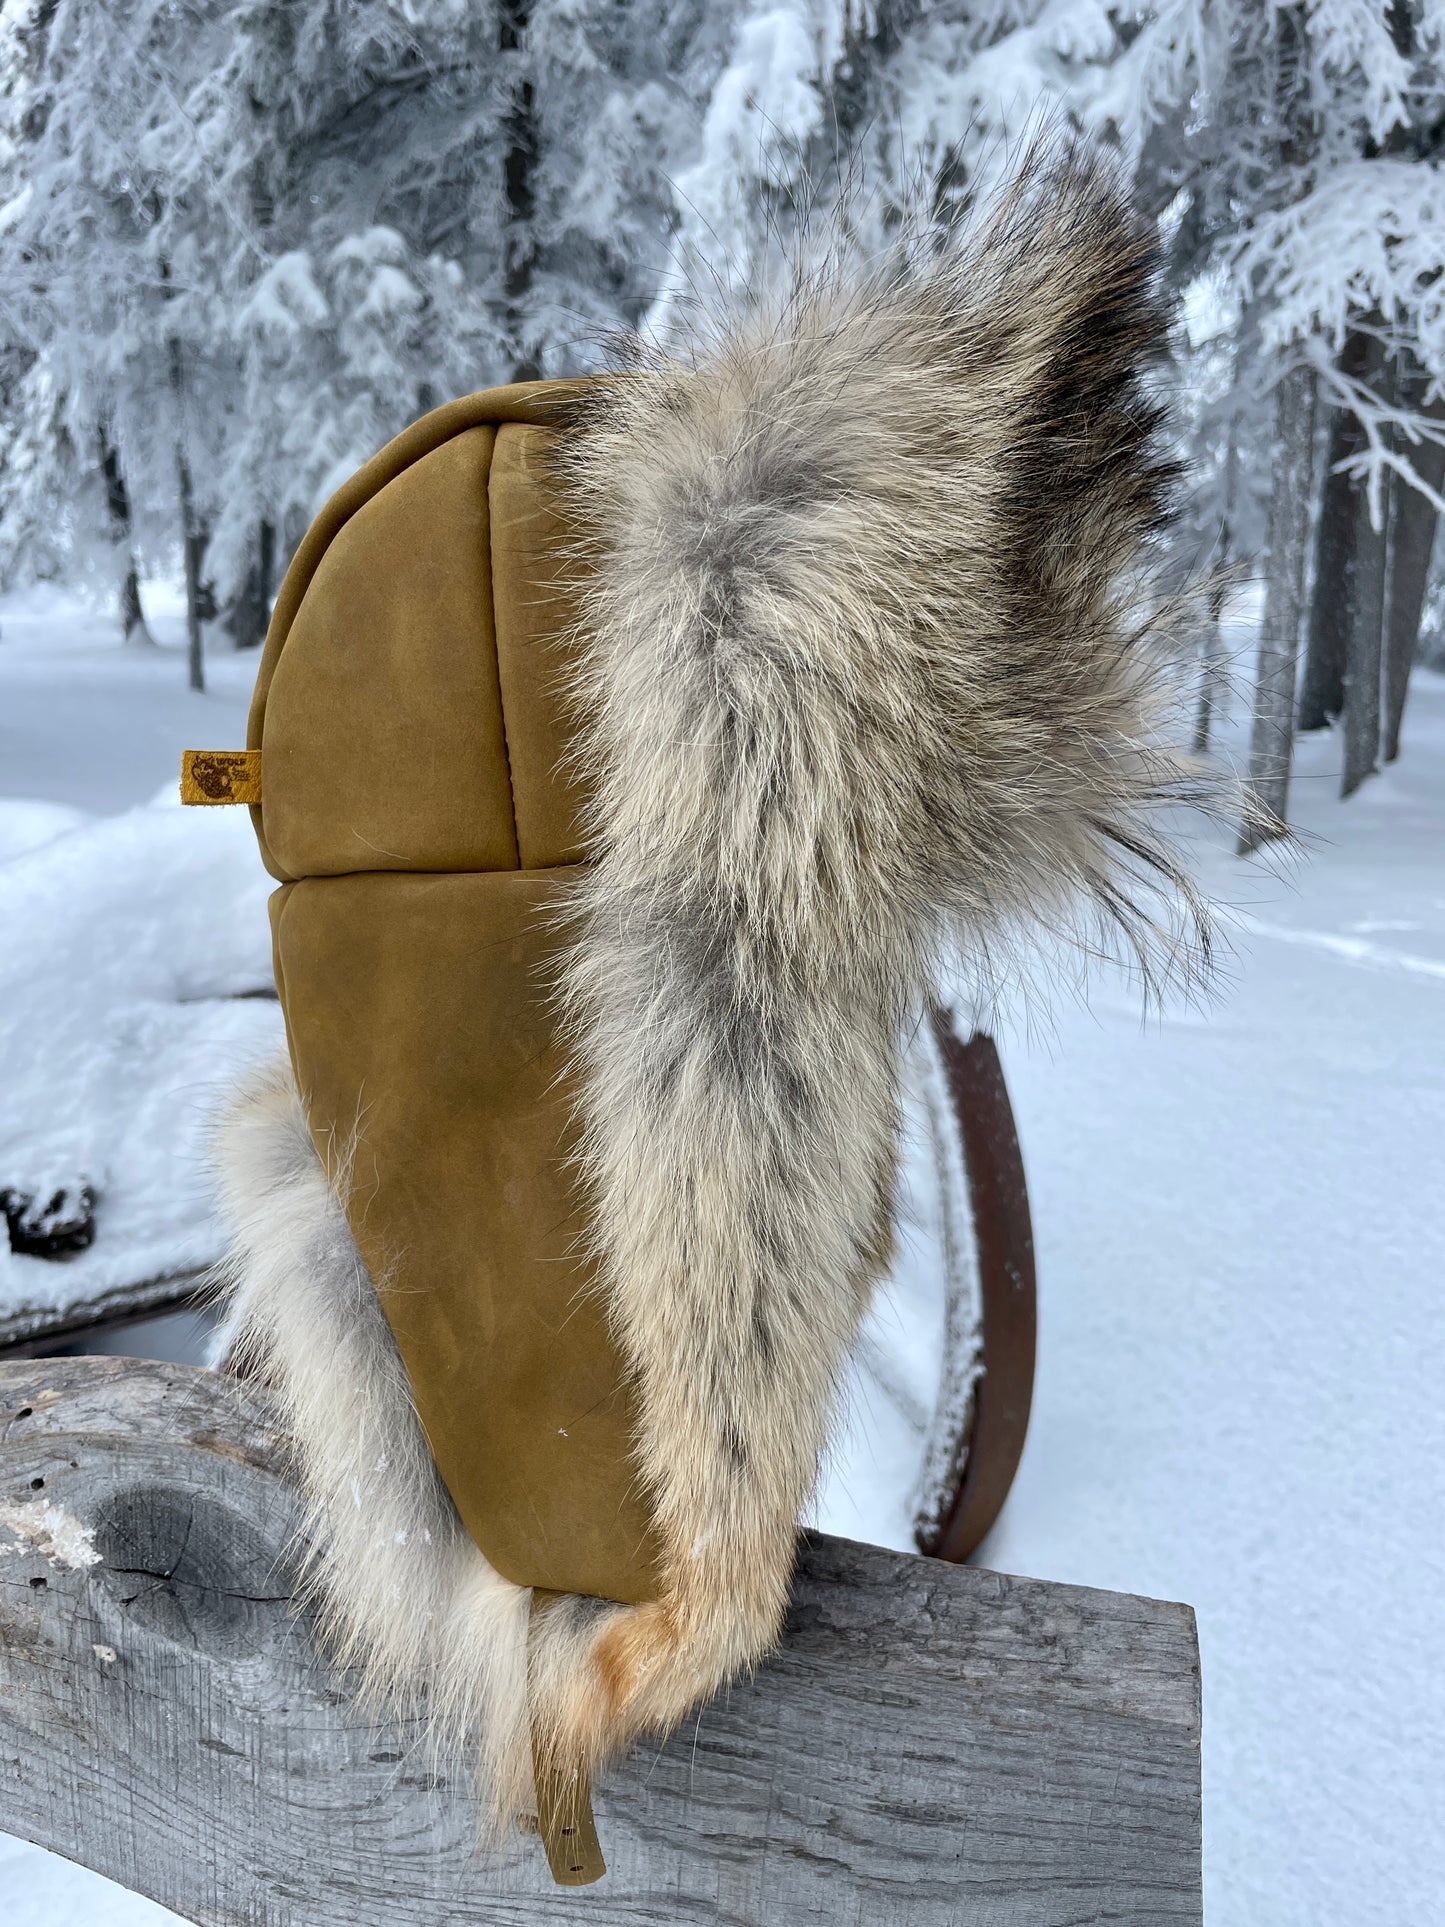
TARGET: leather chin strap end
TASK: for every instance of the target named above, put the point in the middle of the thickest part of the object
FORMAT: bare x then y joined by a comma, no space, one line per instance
566,1824
220,776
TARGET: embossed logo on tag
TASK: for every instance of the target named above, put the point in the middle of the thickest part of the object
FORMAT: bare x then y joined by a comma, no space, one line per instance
221,776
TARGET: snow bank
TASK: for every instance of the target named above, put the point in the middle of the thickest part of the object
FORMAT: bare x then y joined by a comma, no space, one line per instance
25,826
135,948
132,946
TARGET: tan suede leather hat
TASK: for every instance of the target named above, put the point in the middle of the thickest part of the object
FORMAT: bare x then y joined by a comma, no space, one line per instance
421,834
408,721
636,758
411,720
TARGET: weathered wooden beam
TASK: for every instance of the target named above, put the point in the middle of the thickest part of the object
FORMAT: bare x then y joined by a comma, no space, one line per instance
933,1744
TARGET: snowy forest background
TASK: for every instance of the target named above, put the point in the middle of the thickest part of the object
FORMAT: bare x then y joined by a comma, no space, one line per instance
243,242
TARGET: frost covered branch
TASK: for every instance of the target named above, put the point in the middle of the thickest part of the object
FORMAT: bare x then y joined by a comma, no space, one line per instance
1379,421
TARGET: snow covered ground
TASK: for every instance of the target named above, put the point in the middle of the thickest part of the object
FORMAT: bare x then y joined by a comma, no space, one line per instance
89,723
135,944
91,734
1240,1218
1240,1225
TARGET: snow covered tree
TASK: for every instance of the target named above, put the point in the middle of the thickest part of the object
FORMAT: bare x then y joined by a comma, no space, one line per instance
1291,153
109,273
1344,271
242,242
254,238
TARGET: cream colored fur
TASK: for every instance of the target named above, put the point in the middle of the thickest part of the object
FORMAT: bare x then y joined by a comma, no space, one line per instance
401,1587
865,681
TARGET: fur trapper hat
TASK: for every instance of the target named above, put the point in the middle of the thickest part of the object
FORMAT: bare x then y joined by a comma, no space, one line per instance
634,755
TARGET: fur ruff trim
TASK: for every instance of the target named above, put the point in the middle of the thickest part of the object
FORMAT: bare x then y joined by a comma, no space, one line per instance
864,684
400,1587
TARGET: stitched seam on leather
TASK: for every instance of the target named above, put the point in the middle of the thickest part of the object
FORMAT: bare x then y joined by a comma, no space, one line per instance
496,646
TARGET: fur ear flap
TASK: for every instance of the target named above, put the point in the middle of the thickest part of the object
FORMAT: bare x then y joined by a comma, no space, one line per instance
867,674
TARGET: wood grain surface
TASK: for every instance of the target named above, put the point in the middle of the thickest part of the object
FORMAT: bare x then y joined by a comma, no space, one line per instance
933,1744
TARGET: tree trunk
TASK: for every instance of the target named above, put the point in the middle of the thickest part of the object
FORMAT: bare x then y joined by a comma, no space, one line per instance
1363,653
1412,518
1412,537
1211,669
193,544
1271,739
1322,697
132,615
193,541
1212,654
117,505
249,609
518,170
265,573
1365,616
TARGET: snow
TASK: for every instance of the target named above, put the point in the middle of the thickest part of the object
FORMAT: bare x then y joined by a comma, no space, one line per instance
137,944
42,1890
57,1535
87,721
766,100
1237,1214
337,240
130,994
1240,1244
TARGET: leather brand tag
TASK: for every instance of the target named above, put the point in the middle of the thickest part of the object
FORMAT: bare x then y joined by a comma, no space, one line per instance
220,775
